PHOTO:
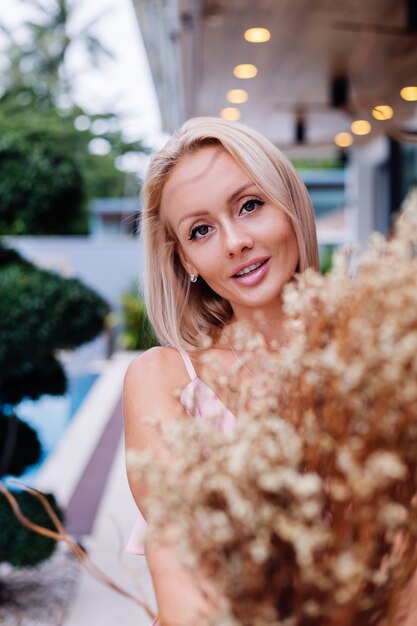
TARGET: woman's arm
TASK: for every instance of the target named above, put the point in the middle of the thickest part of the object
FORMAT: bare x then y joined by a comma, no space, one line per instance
149,391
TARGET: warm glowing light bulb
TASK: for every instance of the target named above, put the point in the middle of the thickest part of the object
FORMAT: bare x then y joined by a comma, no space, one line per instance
343,140
409,93
257,35
245,70
361,127
230,113
237,96
383,112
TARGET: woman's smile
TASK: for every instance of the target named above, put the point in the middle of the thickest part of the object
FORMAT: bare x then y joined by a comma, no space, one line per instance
229,234
250,274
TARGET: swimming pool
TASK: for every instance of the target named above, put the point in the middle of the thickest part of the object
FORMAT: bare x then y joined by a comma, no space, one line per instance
50,416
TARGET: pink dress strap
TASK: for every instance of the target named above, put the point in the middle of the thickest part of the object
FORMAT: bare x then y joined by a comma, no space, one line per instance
188,364
199,400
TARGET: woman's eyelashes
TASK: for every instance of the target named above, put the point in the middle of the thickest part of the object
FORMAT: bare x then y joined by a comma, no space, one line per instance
200,231
250,205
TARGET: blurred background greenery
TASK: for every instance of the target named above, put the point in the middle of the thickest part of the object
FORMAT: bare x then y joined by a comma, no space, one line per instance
55,158
52,161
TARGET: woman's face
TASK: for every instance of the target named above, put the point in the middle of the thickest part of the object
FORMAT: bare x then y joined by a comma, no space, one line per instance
229,233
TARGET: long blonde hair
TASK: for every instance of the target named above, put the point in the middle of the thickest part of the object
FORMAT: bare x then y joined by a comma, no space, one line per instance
182,316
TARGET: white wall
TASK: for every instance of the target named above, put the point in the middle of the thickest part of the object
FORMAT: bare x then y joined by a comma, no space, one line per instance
107,264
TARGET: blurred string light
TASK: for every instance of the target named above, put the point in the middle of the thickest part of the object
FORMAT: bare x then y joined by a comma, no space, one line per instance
237,96
230,113
245,70
361,127
257,35
409,93
383,112
343,140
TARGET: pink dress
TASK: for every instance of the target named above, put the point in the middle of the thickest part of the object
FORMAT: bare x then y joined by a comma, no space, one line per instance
199,400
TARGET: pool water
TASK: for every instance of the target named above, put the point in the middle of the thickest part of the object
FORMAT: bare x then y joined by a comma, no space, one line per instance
50,416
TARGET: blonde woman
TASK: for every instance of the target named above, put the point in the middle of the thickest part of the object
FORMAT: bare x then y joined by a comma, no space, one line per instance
227,222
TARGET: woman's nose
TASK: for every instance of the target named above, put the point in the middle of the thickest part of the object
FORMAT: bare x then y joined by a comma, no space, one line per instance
237,238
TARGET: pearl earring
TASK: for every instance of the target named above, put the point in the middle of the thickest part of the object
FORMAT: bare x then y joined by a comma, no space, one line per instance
193,278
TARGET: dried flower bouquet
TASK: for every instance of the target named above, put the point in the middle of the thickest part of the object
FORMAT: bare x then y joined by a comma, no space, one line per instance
303,515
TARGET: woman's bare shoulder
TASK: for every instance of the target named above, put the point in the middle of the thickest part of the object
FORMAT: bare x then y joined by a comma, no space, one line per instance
152,382
157,366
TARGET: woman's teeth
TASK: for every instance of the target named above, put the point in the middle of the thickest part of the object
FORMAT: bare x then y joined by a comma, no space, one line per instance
250,268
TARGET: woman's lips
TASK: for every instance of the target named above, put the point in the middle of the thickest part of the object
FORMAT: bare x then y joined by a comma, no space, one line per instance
254,276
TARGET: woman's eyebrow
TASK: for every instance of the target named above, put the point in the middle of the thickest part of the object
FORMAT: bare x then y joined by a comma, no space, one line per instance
233,197
241,189
192,214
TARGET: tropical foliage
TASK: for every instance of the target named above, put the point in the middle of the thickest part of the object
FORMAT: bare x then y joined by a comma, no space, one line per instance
304,512
54,155
137,331
42,189
41,63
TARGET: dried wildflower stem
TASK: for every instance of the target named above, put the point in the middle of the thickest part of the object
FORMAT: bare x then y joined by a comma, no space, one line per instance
299,515
79,552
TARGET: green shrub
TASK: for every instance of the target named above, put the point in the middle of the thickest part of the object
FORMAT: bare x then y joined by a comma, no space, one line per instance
41,188
326,257
40,313
19,546
19,445
137,331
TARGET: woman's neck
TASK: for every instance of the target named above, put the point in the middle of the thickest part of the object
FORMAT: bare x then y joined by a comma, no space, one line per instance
268,323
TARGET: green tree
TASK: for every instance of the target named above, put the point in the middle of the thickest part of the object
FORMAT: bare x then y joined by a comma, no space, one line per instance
42,189
48,172
41,141
40,314
42,62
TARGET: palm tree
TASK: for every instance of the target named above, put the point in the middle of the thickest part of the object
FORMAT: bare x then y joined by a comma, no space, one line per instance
42,63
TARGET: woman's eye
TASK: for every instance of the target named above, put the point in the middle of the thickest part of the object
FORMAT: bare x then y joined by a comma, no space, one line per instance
251,205
198,232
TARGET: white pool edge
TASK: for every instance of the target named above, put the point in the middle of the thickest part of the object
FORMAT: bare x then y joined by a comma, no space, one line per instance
65,465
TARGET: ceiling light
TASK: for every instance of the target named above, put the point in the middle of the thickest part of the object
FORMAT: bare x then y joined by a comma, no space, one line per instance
237,96
230,113
245,70
343,140
409,93
361,127
257,35
383,112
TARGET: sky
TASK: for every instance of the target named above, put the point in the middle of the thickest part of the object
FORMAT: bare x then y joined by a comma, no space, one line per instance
123,85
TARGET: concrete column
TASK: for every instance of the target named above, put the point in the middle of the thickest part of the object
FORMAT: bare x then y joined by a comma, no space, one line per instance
363,188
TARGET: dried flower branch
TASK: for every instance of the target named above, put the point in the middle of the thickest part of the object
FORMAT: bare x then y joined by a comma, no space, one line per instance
305,515
60,534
